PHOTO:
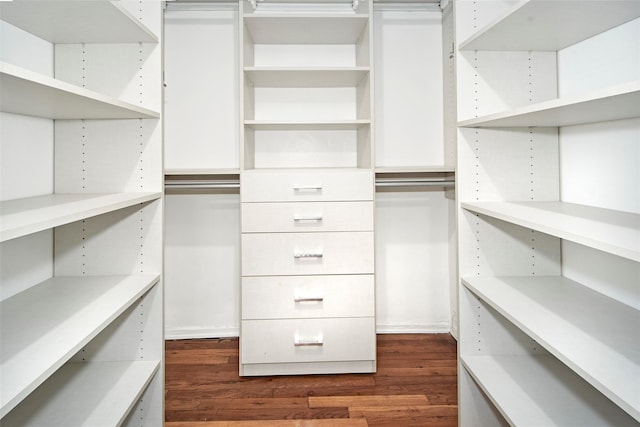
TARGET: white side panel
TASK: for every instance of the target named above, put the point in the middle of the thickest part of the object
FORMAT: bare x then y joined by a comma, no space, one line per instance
529,78
491,163
201,94
134,335
108,155
202,265
129,72
412,262
127,241
147,12
408,88
25,141
475,15
25,50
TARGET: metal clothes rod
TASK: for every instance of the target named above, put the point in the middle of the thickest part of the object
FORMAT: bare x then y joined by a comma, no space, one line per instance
380,182
201,185
415,182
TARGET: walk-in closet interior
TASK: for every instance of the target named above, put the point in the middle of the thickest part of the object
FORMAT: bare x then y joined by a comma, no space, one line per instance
305,175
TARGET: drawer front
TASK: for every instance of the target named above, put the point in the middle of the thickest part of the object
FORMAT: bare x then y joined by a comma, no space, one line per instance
284,254
307,217
291,297
307,340
294,186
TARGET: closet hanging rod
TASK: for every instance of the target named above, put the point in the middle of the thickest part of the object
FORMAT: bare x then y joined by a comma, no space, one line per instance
415,182
201,185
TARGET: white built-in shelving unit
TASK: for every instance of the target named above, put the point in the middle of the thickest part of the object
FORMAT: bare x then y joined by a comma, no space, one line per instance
81,214
306,168
549,311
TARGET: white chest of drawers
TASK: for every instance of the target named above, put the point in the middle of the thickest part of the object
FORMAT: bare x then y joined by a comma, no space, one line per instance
308,301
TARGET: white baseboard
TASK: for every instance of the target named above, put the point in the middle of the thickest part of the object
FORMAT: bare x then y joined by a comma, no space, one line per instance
199,333
435,328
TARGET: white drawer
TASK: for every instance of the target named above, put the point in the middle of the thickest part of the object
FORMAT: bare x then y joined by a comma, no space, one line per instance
311,185
307,216
307,340
283,254
292,297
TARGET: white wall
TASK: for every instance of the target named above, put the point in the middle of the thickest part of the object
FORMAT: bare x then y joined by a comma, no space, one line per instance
412,262
202,265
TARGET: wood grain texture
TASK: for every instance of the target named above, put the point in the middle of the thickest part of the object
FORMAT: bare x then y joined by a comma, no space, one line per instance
415,385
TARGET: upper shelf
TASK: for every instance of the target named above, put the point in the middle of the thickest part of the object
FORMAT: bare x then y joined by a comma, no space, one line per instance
306,77
34,94
615,232
43,326
545,24
305,28
77,21
613,103
20,217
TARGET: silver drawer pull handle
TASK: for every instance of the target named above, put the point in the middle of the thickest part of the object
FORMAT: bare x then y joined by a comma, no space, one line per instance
309,299
307,188
300,343
297,218
307,255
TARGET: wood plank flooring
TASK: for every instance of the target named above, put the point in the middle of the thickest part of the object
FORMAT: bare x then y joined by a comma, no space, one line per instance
415,385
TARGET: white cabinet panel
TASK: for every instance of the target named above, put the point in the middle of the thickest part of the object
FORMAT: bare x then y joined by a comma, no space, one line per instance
308,297
307,340
268,254
306,185
307,216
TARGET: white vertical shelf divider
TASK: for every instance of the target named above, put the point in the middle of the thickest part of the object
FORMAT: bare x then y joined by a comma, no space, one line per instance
532,340
73,351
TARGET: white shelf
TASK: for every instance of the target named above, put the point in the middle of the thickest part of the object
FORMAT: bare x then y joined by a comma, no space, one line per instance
546,24
534,391
34,94
306,125
607,230
306,77
415,169
200,171
21,217
76,22
615,103
305,28
596,336
97,394
45,325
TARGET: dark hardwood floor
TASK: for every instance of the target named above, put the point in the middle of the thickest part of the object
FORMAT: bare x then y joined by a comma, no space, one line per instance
415,385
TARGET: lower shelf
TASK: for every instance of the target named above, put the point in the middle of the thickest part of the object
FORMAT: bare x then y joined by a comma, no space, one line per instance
540,391
42,327
594,335
85,394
